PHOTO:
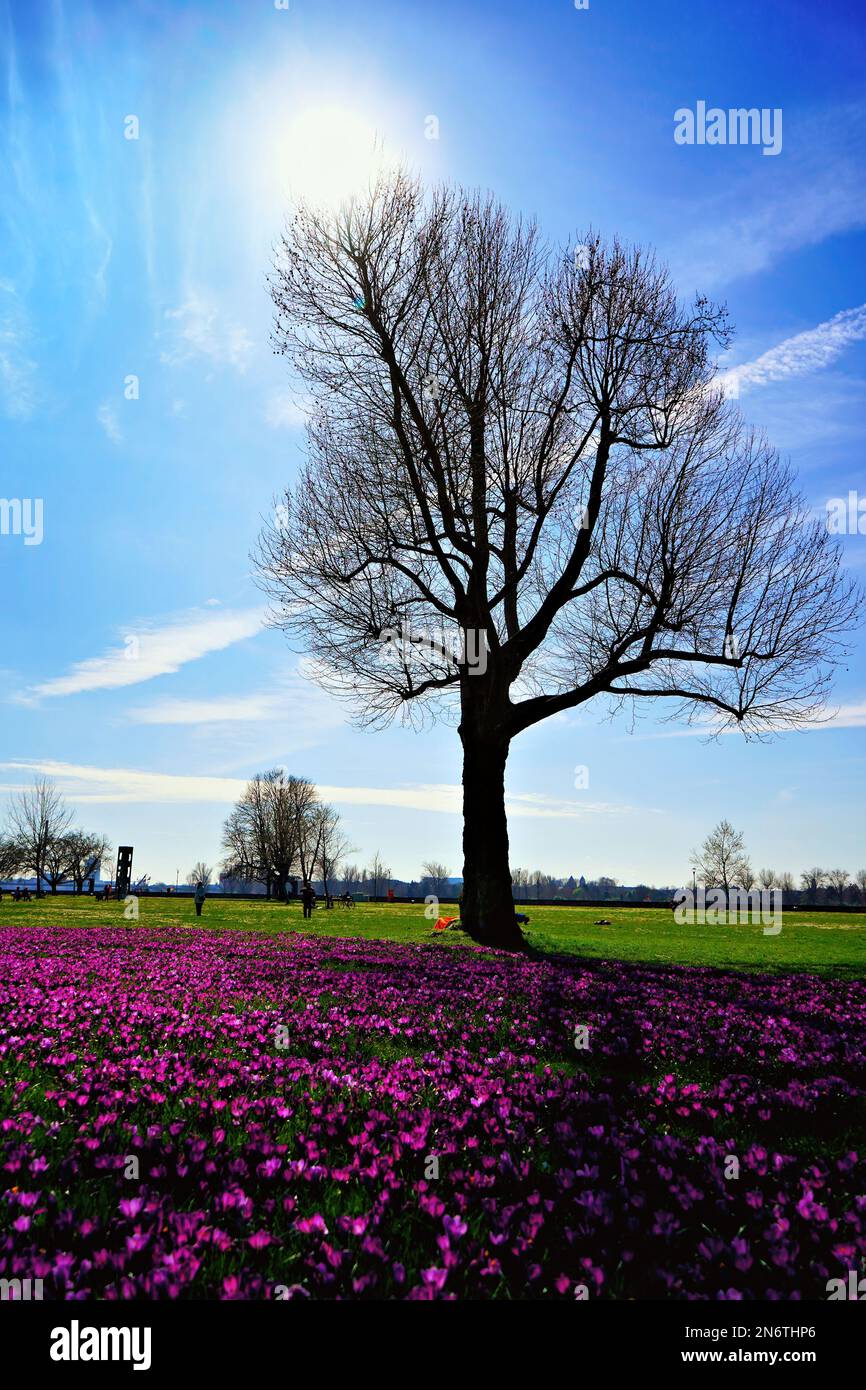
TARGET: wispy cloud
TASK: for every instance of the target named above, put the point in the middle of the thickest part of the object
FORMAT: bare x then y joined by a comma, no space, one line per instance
148,650
851,716
221,709
18,389
112,784
285,411
200,328
749,225
293,700
108,420
804,352
122,784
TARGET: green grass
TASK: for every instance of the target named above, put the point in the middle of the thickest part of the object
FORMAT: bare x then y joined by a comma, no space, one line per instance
823,942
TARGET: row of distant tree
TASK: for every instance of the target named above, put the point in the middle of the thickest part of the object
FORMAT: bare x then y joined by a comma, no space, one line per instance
40,840
280,829
722,861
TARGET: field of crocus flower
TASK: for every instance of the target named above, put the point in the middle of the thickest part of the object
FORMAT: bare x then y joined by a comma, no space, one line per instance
232,1115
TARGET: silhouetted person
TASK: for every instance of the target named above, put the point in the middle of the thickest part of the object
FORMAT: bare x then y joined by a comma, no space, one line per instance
199,898
308,897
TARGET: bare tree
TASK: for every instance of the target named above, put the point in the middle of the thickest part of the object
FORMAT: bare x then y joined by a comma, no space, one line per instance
721,860
351,877
523,491
266,838
813,881
200,873
310,820
859,879
87,853
766,878
57,865
38,819
436,875
838,880
786,883
537,880
605,887
333,846
520,883
10,858
377,876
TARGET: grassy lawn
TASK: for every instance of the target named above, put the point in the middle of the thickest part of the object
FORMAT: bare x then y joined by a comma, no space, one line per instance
823,942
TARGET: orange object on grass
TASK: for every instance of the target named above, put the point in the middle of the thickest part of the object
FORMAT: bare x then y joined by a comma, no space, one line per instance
443,922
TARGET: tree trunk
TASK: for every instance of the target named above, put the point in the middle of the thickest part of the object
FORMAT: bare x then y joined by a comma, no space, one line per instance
487,912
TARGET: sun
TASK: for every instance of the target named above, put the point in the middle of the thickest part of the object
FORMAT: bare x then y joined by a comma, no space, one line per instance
327,153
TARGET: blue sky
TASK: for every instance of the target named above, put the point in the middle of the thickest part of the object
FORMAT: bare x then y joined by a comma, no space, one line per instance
133,665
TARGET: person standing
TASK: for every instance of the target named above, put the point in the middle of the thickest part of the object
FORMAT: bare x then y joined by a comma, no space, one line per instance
308,897
199,898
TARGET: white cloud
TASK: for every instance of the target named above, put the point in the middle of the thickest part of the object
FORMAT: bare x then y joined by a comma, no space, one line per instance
448,799
150,651
844,717
103,784
108,420
285,411
220,709
200,328
805,352
122,784
294,700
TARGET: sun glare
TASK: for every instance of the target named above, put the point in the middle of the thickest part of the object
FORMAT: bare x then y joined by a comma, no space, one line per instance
327,153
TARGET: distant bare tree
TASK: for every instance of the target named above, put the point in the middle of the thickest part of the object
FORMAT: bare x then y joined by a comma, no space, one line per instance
520,882
267,838
200,873
813,881
860,880
437,876
38,819
537,880
523,491
57,865
333,846
747,876
838,880
351,877
87,853
10,858
766,878
721,860
786,883
377,876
